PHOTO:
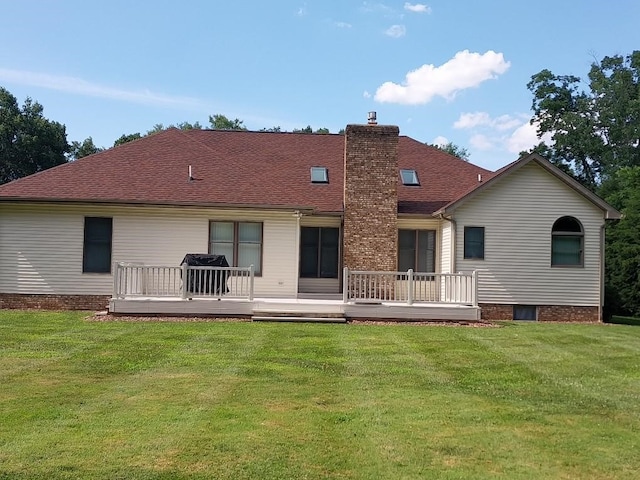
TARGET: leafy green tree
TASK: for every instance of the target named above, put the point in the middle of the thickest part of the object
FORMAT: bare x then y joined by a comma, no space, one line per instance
189,126
455,150
29,142
622,275
308,129
83,149
127,138
271,129
594,132
220,122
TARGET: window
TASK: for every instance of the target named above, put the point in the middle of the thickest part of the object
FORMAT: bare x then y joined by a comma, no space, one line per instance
319,252
524,312
474,243
96,256
409,177
319,175
239,242
416,250
567,239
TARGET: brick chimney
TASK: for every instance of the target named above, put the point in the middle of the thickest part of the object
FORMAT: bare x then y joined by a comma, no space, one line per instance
371,197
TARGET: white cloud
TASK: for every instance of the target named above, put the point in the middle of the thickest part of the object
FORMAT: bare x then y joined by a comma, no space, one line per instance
373,7
481,142
464,70
417,8
476,119
79,86
302,11
396,31
440,141
525,137
506,122
470,120
342,24
366,94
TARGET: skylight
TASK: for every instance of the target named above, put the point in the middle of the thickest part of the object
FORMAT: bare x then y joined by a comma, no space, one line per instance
409,177
319,175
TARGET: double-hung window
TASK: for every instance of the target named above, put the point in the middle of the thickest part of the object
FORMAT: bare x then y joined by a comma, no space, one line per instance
96,255
417,250
239,242
474,243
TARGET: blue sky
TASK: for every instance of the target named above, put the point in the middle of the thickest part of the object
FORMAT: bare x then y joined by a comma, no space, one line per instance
454,70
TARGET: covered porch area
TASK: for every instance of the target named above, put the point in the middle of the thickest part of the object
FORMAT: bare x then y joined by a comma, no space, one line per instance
229,291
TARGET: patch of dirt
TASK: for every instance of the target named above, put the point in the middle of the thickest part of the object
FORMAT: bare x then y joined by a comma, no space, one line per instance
107,317
427,323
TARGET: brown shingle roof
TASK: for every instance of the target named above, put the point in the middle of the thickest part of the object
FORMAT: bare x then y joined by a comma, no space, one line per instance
259,169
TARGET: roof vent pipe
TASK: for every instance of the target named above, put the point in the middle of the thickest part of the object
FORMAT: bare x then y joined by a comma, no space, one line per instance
479,177
190,175
371,118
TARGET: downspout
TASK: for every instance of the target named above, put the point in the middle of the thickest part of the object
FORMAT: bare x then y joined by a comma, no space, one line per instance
601,267
298,216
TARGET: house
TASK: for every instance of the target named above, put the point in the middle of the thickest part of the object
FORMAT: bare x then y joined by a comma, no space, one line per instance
300,208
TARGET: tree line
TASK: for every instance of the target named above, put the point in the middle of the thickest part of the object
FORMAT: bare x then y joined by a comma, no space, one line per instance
594,128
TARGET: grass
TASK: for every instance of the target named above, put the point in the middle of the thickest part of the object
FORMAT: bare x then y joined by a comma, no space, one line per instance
123,400
624,320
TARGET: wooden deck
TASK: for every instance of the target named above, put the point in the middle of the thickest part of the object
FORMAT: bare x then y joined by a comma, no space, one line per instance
310,308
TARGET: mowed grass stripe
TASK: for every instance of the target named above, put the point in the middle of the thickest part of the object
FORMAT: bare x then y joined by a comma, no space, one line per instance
242,400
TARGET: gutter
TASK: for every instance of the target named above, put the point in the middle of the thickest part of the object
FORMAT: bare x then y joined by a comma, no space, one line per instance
142,203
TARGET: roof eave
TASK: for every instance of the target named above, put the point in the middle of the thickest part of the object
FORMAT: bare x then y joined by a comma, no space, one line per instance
120,202
610,213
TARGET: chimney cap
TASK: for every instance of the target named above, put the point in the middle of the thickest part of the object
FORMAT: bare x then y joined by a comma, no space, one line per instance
371,118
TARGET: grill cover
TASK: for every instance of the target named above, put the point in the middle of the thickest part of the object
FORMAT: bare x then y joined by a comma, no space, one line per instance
206,281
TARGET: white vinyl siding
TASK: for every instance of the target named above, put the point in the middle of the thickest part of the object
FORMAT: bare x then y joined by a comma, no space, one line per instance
445,247
518,214
41,245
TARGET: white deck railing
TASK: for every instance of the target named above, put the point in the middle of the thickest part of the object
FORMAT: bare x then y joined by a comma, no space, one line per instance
136,280
409,287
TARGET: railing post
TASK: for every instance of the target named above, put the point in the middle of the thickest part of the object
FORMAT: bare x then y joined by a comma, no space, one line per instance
116,275
185,281
251,276
475,288
345,285
410,287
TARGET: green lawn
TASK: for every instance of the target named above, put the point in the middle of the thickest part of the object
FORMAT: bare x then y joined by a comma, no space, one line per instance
124,400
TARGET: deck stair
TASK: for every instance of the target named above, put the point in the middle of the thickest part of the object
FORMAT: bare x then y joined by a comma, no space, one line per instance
307,317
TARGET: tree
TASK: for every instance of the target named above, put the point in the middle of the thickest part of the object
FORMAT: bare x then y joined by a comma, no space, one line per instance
271,129
83,149
594,132
596,138
29,142
220,122
622,275
127,138
455,150
308,129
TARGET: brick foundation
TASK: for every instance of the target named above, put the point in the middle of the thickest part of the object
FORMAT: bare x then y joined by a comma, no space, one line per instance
54,302
545,313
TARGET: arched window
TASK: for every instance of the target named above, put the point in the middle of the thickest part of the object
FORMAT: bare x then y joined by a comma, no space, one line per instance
567,243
